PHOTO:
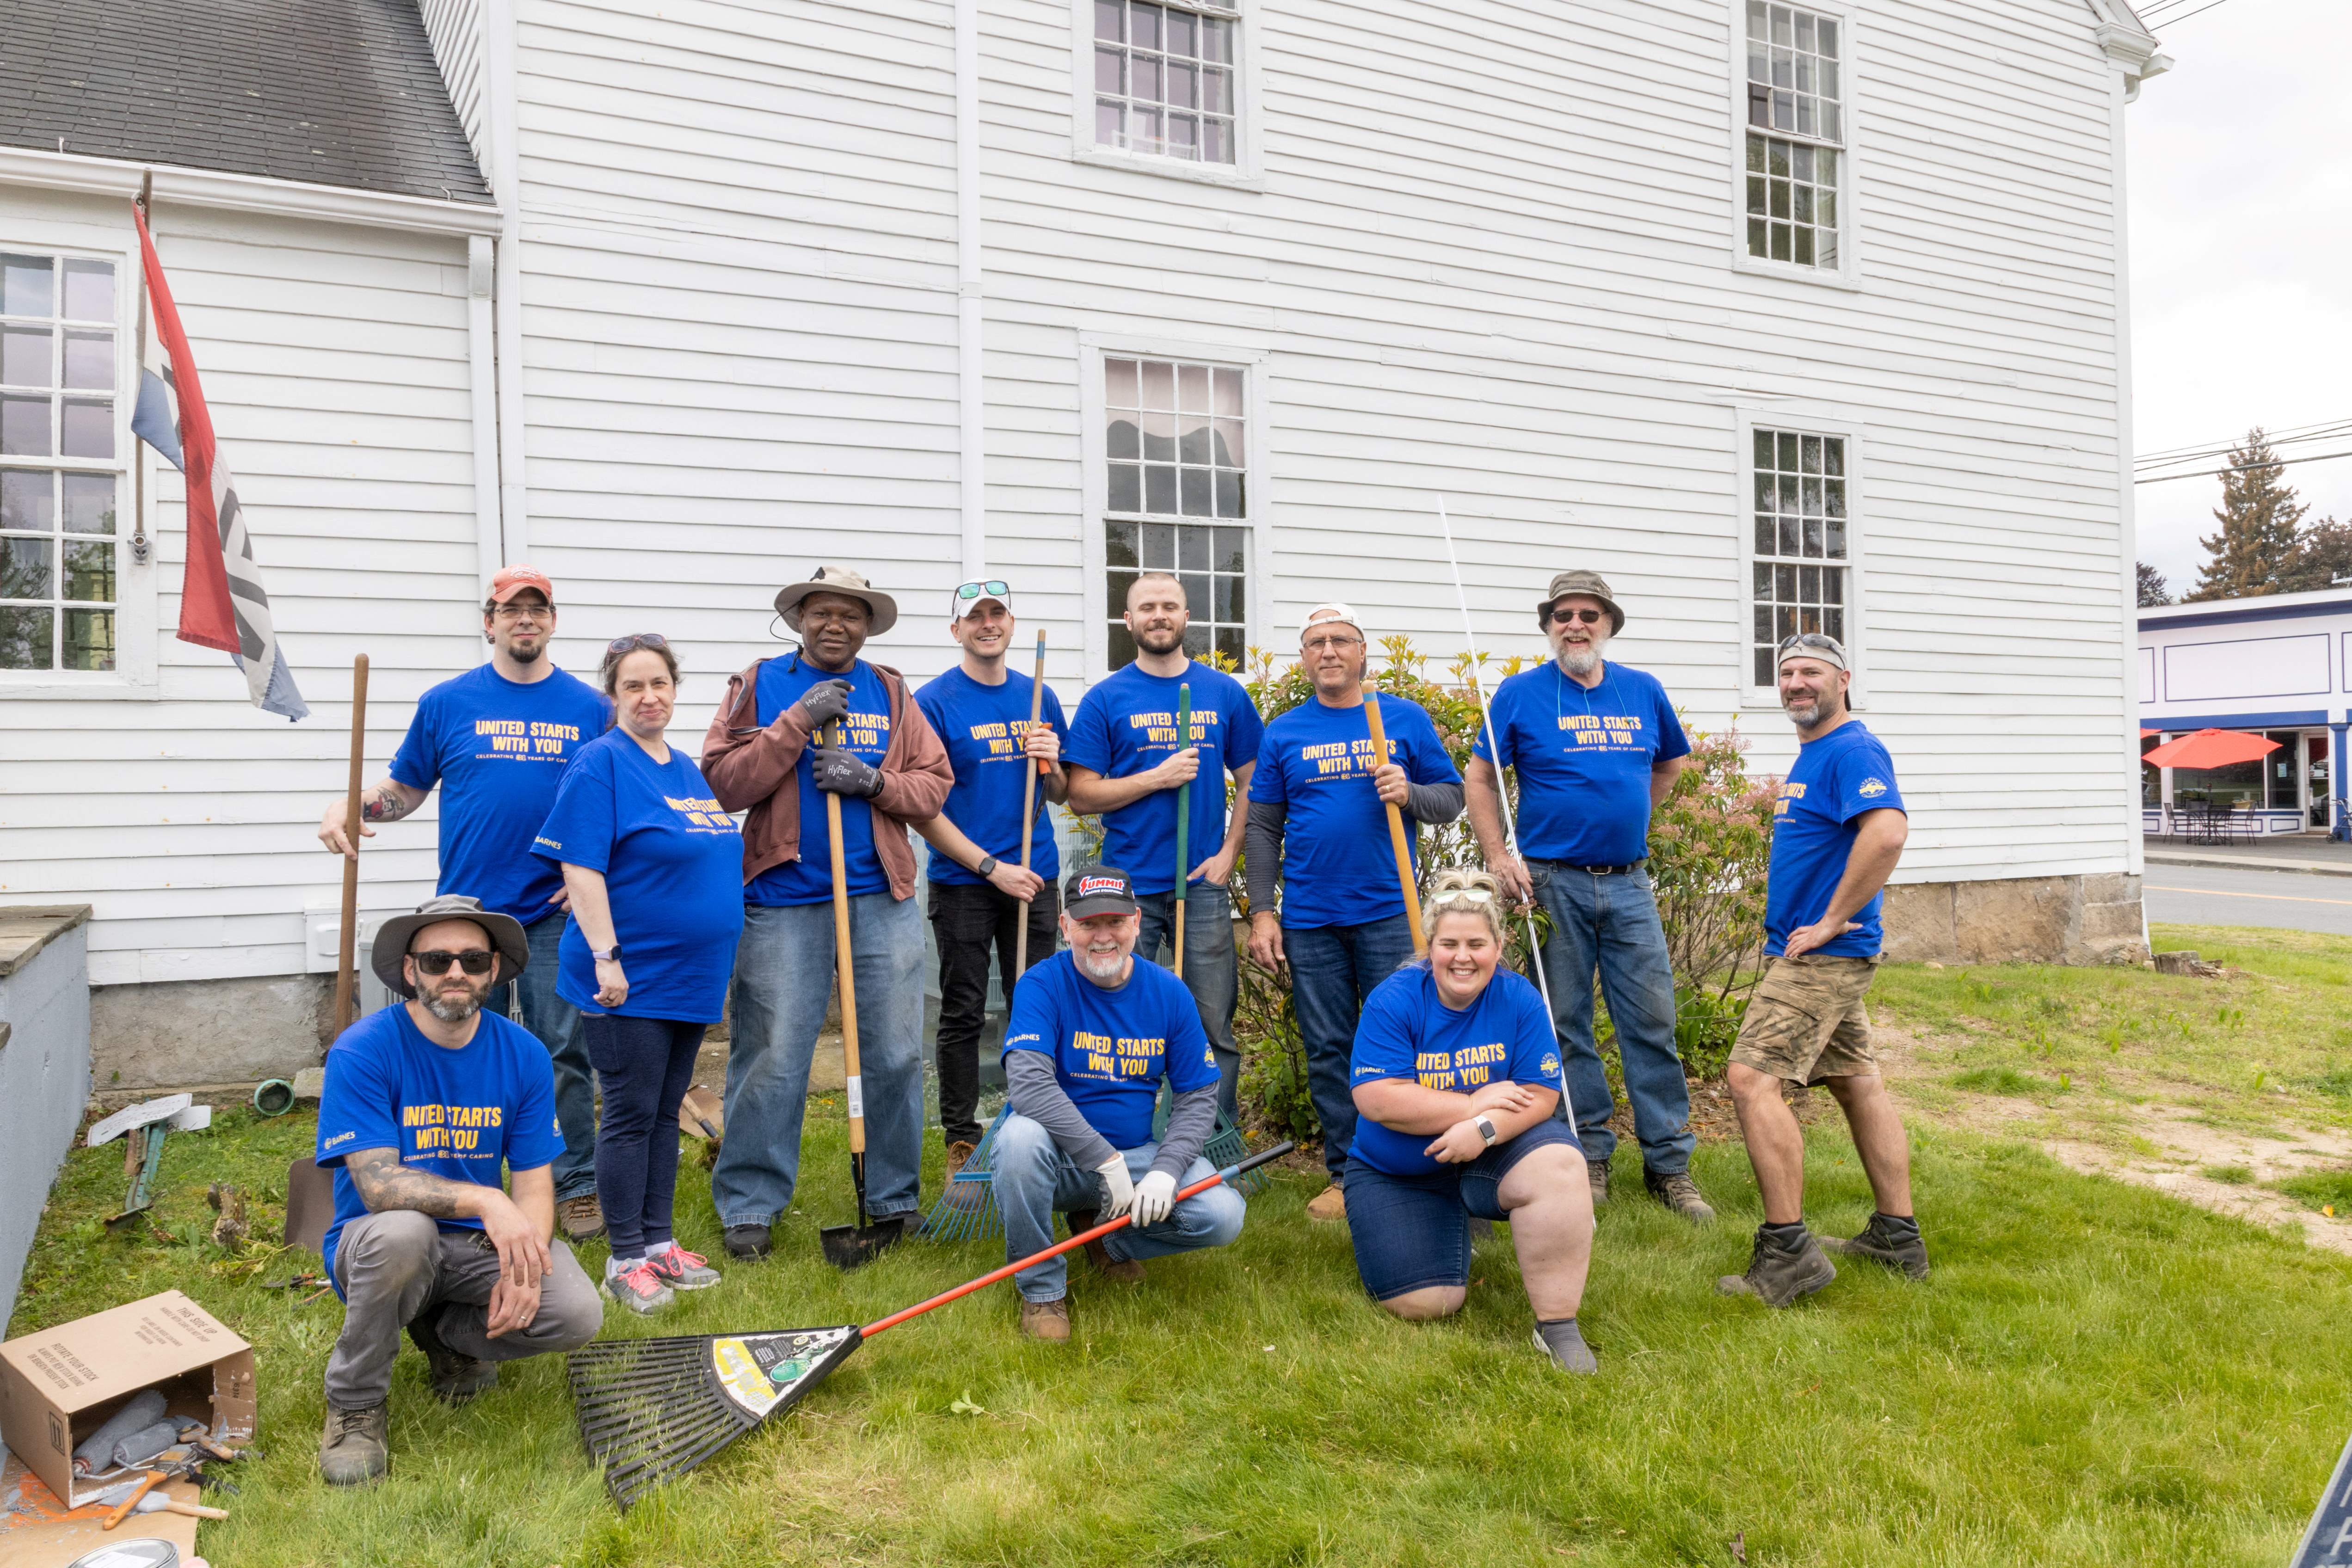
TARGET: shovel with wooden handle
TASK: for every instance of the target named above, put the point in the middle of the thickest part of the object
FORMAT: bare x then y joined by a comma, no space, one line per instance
1029,810
1399,845
847,1246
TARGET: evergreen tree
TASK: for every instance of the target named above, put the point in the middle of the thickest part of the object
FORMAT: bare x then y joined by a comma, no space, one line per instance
2259,519
2153,588
2323,558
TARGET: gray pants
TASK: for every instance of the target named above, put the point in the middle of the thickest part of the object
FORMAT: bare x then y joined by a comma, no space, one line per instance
398,1264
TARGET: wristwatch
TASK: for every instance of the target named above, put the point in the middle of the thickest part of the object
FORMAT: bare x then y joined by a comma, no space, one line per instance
1485,1126
987,866
606,954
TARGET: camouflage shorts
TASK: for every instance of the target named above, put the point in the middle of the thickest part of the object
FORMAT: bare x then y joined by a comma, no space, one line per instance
1806,1021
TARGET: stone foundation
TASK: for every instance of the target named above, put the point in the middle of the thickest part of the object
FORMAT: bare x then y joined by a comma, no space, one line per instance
2021,920
170,1034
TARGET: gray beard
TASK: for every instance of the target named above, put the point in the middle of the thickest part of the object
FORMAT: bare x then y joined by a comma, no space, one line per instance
1812,712
1105,974
451,1009
1580,661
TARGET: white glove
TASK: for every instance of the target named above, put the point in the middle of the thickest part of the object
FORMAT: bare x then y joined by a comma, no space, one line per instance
1117,1187
1155,1195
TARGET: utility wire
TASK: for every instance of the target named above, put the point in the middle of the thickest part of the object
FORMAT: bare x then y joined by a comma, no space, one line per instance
2243,468
2298,436
2178,16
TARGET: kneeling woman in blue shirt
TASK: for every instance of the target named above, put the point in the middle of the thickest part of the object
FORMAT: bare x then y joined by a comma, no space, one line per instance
1455,1076
655,872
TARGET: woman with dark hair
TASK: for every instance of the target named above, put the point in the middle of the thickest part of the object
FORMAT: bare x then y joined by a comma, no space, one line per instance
1456,1077
653,868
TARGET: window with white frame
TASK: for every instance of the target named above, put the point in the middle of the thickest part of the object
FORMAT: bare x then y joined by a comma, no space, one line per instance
1796,134
1175,496
63,461
1802,561
1164,79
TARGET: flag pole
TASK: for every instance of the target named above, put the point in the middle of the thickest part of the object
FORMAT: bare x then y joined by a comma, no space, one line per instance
139,545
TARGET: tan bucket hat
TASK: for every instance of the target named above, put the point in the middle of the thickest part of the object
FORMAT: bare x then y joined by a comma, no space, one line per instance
392,938
1588,583
843,581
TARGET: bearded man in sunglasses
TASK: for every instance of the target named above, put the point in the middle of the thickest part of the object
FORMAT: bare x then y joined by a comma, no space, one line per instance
1597,746
428,1107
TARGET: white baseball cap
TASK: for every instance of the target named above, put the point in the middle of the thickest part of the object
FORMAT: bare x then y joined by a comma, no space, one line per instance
1333,610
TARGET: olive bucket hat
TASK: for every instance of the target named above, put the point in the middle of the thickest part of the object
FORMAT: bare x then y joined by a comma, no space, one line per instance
1591,585
392,938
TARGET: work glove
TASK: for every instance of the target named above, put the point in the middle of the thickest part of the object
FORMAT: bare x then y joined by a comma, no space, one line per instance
1155,1196
1118,1189
841,771
825,702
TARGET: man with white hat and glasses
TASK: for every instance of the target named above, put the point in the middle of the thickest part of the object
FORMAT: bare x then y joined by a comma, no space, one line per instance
1317,823
980,894
1597,746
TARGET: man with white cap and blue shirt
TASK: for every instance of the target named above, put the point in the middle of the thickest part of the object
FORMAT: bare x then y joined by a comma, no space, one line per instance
1317,823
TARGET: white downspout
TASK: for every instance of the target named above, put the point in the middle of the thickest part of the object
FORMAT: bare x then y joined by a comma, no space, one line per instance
506,183
481,349
971,472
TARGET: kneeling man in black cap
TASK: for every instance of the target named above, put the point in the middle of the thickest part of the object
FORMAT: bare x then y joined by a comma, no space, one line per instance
424,1104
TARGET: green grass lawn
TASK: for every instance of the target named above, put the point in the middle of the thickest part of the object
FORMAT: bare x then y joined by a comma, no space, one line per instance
2095,1375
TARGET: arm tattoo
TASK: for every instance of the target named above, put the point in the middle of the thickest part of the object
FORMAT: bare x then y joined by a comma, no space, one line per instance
385,1184
384,804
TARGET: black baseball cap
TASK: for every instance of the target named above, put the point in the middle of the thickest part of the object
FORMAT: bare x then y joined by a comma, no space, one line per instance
1094,890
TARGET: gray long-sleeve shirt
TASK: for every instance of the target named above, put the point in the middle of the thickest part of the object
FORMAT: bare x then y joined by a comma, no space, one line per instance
1262,837
1034,1091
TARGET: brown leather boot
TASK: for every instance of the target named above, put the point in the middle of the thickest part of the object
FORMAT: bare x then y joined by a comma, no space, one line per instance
1047,1321
1327,1206
1126,1271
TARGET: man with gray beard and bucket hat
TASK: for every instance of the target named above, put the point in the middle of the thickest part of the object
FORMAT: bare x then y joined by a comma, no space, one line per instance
790,731
1597,746
427,1106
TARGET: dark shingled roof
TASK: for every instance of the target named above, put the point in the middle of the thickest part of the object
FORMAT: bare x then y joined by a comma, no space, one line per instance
332,92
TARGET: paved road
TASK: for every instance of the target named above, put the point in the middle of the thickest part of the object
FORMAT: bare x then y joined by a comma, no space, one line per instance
2218,896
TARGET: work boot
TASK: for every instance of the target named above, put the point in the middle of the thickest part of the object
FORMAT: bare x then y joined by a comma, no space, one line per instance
1779,1273
636,1286
1598,1170
748,1241
1897,1247
456,1379
1047,1321
353,1453
679,1269
1126,1271
1327,1206
581,1218
1679,1193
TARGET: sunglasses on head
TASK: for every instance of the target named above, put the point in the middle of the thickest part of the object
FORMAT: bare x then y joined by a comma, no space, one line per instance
1811,640
1589,617
633,641
473,961
994,588
1464,895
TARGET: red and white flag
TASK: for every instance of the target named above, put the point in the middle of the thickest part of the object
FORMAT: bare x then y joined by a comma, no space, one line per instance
221,602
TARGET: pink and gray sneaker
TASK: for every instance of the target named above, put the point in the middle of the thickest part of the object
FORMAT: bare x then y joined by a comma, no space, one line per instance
681,1270
636,1286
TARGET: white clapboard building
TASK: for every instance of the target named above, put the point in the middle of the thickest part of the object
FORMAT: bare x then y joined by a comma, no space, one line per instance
1776,315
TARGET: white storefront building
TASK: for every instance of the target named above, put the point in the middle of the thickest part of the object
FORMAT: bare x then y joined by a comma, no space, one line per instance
1775,316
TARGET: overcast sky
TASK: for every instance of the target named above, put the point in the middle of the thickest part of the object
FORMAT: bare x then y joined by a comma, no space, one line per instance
2241,166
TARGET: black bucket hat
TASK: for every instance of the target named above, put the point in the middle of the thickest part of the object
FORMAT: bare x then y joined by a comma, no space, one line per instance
392,938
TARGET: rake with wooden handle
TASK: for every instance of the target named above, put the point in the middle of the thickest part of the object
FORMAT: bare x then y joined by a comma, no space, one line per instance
1398,844
847,1246
1029,809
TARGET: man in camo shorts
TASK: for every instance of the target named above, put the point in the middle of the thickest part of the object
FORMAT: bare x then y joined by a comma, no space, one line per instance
1837,831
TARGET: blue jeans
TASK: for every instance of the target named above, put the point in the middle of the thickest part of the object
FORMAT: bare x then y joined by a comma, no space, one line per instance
1033,1179
1210,970
783,978
1332,970
644,1066
556,1022
1611,923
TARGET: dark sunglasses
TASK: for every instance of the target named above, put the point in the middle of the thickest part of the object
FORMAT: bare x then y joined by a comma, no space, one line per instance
992,589
1589,617
474,960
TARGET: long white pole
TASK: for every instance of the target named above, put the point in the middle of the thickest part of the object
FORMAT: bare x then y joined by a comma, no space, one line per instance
1510,818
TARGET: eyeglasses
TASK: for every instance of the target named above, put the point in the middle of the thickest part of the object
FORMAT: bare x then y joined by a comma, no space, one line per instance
1589,617
473,961
513,611
1320,645
994,588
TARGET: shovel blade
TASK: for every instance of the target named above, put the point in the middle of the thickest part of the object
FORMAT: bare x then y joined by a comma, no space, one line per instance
851,1245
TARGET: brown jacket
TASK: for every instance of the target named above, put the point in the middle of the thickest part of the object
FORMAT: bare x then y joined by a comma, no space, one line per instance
749,766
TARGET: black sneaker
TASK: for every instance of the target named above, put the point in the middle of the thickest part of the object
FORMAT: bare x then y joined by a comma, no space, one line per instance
1881,1244
748,1241
1779,1274
456,1379
1679,1193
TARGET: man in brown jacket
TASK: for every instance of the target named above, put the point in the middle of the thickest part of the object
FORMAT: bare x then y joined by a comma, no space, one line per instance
792,730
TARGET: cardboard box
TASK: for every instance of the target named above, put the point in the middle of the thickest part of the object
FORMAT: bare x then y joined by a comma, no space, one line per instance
57,1386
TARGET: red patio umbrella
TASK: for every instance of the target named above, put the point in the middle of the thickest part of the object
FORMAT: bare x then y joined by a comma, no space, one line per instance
2146,733
2211,749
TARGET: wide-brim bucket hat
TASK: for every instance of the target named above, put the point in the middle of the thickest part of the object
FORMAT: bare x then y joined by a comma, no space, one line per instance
839,580
1590,584
392,938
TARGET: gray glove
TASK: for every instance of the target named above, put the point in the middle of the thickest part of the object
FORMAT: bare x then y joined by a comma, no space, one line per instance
841,771
825,702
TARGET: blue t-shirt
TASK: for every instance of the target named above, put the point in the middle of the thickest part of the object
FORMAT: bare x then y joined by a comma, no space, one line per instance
457,1114
866,731
1832,782
1127,725
1110,1048
499,752
1317,763
1584,759
1405,1032
673,866
983,727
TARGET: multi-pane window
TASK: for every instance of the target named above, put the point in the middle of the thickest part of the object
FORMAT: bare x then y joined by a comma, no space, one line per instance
1796,120
1802,557
1175,495
1164,79
60,474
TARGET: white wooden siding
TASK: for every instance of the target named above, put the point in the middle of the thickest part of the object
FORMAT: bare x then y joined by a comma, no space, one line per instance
455,28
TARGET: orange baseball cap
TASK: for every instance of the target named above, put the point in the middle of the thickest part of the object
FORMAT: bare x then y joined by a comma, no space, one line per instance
512,580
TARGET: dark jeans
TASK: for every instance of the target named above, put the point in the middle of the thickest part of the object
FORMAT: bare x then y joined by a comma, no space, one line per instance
556,1022
969,920
1212,971
1610,923
644,1066
1332,970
